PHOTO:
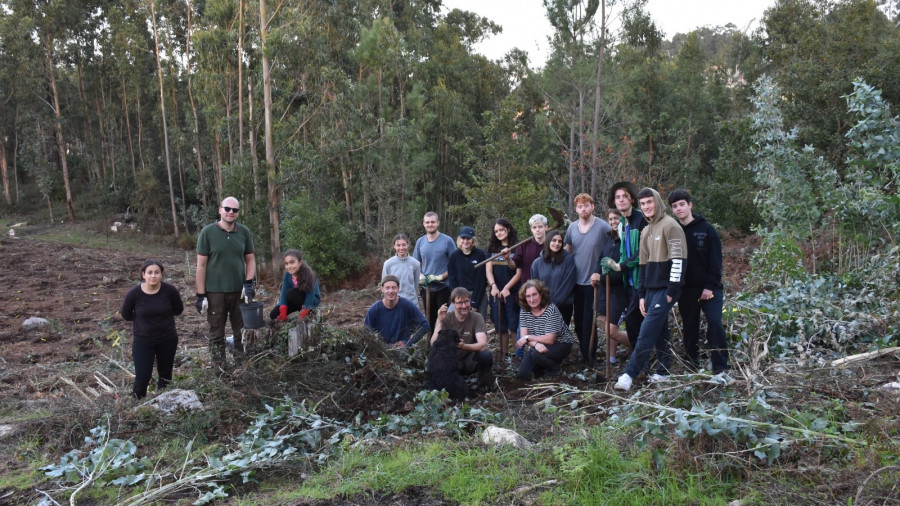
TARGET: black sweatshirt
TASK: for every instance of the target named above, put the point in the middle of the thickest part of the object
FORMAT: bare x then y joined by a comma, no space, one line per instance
153,315
704,268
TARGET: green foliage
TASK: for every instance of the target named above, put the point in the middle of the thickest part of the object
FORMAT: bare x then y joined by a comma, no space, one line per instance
284,432
753,424
321,235
108,462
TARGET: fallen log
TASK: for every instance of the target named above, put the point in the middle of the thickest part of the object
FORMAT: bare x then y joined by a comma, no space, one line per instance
864,356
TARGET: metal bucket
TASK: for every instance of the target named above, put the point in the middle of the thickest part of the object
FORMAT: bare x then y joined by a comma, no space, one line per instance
252,313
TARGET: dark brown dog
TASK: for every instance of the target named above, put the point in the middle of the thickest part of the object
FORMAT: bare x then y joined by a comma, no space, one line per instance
442,368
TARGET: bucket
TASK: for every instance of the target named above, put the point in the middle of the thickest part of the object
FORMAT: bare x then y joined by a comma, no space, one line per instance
252,313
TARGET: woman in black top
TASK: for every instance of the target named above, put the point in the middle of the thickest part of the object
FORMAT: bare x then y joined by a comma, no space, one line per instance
152,306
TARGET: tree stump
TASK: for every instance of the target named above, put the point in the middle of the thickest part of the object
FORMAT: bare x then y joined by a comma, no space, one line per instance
296,336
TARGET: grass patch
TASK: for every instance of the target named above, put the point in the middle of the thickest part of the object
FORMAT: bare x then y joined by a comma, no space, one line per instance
573,470
80,236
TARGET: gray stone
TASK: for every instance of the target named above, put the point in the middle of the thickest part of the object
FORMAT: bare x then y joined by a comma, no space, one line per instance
34,323
498,436
175,400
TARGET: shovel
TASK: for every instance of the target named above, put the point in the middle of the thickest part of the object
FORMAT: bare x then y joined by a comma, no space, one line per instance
592,345
557,217
608,327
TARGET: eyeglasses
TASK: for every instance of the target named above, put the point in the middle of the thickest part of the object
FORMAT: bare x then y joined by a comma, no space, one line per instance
231,209
462,303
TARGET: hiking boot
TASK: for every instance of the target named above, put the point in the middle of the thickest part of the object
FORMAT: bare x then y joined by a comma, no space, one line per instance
624,383
658,378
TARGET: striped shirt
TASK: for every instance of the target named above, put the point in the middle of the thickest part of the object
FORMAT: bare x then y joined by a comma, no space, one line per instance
549,322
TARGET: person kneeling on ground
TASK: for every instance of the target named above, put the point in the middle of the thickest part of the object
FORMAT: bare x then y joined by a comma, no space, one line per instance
397,320
299,288
543,329
473,356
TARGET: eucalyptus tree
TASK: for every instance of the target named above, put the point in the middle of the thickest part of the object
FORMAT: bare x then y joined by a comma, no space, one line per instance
51,25
815,49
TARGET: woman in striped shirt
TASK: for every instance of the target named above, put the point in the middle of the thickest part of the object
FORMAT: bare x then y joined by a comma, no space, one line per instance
543,330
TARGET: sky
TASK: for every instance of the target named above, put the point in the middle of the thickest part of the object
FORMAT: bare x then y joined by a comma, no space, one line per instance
525,23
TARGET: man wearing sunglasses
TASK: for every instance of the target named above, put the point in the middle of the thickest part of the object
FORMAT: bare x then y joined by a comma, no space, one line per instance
226,266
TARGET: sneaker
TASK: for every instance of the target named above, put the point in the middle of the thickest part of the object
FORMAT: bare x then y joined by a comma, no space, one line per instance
658,378
612,360
721,378
624,382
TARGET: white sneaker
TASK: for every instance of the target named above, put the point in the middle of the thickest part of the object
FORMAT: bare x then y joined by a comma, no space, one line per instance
624,382
658,378
721,379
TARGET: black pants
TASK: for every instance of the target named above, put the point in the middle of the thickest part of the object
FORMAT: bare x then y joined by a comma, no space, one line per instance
438,298
584,313
295,299
144,352
483,363
633,316
543,363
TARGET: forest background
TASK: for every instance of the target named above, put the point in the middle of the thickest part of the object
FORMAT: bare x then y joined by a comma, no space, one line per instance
338,124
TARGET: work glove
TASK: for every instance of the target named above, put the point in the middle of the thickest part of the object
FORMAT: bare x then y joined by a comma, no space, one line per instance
433,278
608,264
202,304
248,292
282,313
423,280
304,313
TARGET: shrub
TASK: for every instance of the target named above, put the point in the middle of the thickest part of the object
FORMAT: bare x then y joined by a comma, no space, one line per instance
322,236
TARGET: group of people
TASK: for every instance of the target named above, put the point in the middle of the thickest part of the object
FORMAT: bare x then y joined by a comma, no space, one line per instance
534,290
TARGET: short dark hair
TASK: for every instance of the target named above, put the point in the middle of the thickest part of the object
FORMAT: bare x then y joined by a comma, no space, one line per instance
152,261
679,194
644,193
541,288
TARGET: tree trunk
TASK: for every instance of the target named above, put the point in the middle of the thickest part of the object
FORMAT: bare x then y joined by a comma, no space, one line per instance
595,134
190,91
95,172
162,107
140,129
4,172
60,140
270,146
240,56
570,162
254,160
128,129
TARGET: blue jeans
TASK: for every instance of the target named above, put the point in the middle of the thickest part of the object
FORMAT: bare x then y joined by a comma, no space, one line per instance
690,306
654,334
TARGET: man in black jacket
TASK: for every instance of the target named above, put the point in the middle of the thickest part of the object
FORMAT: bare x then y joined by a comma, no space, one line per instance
702,284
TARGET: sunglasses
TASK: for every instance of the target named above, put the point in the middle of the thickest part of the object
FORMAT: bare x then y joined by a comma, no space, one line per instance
231,209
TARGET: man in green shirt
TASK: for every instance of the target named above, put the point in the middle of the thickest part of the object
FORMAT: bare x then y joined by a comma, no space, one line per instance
226,266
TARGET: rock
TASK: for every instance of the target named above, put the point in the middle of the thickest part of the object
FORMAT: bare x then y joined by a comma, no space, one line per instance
175,400
7,430
891,388
498,436
116,226
108,280
34,323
